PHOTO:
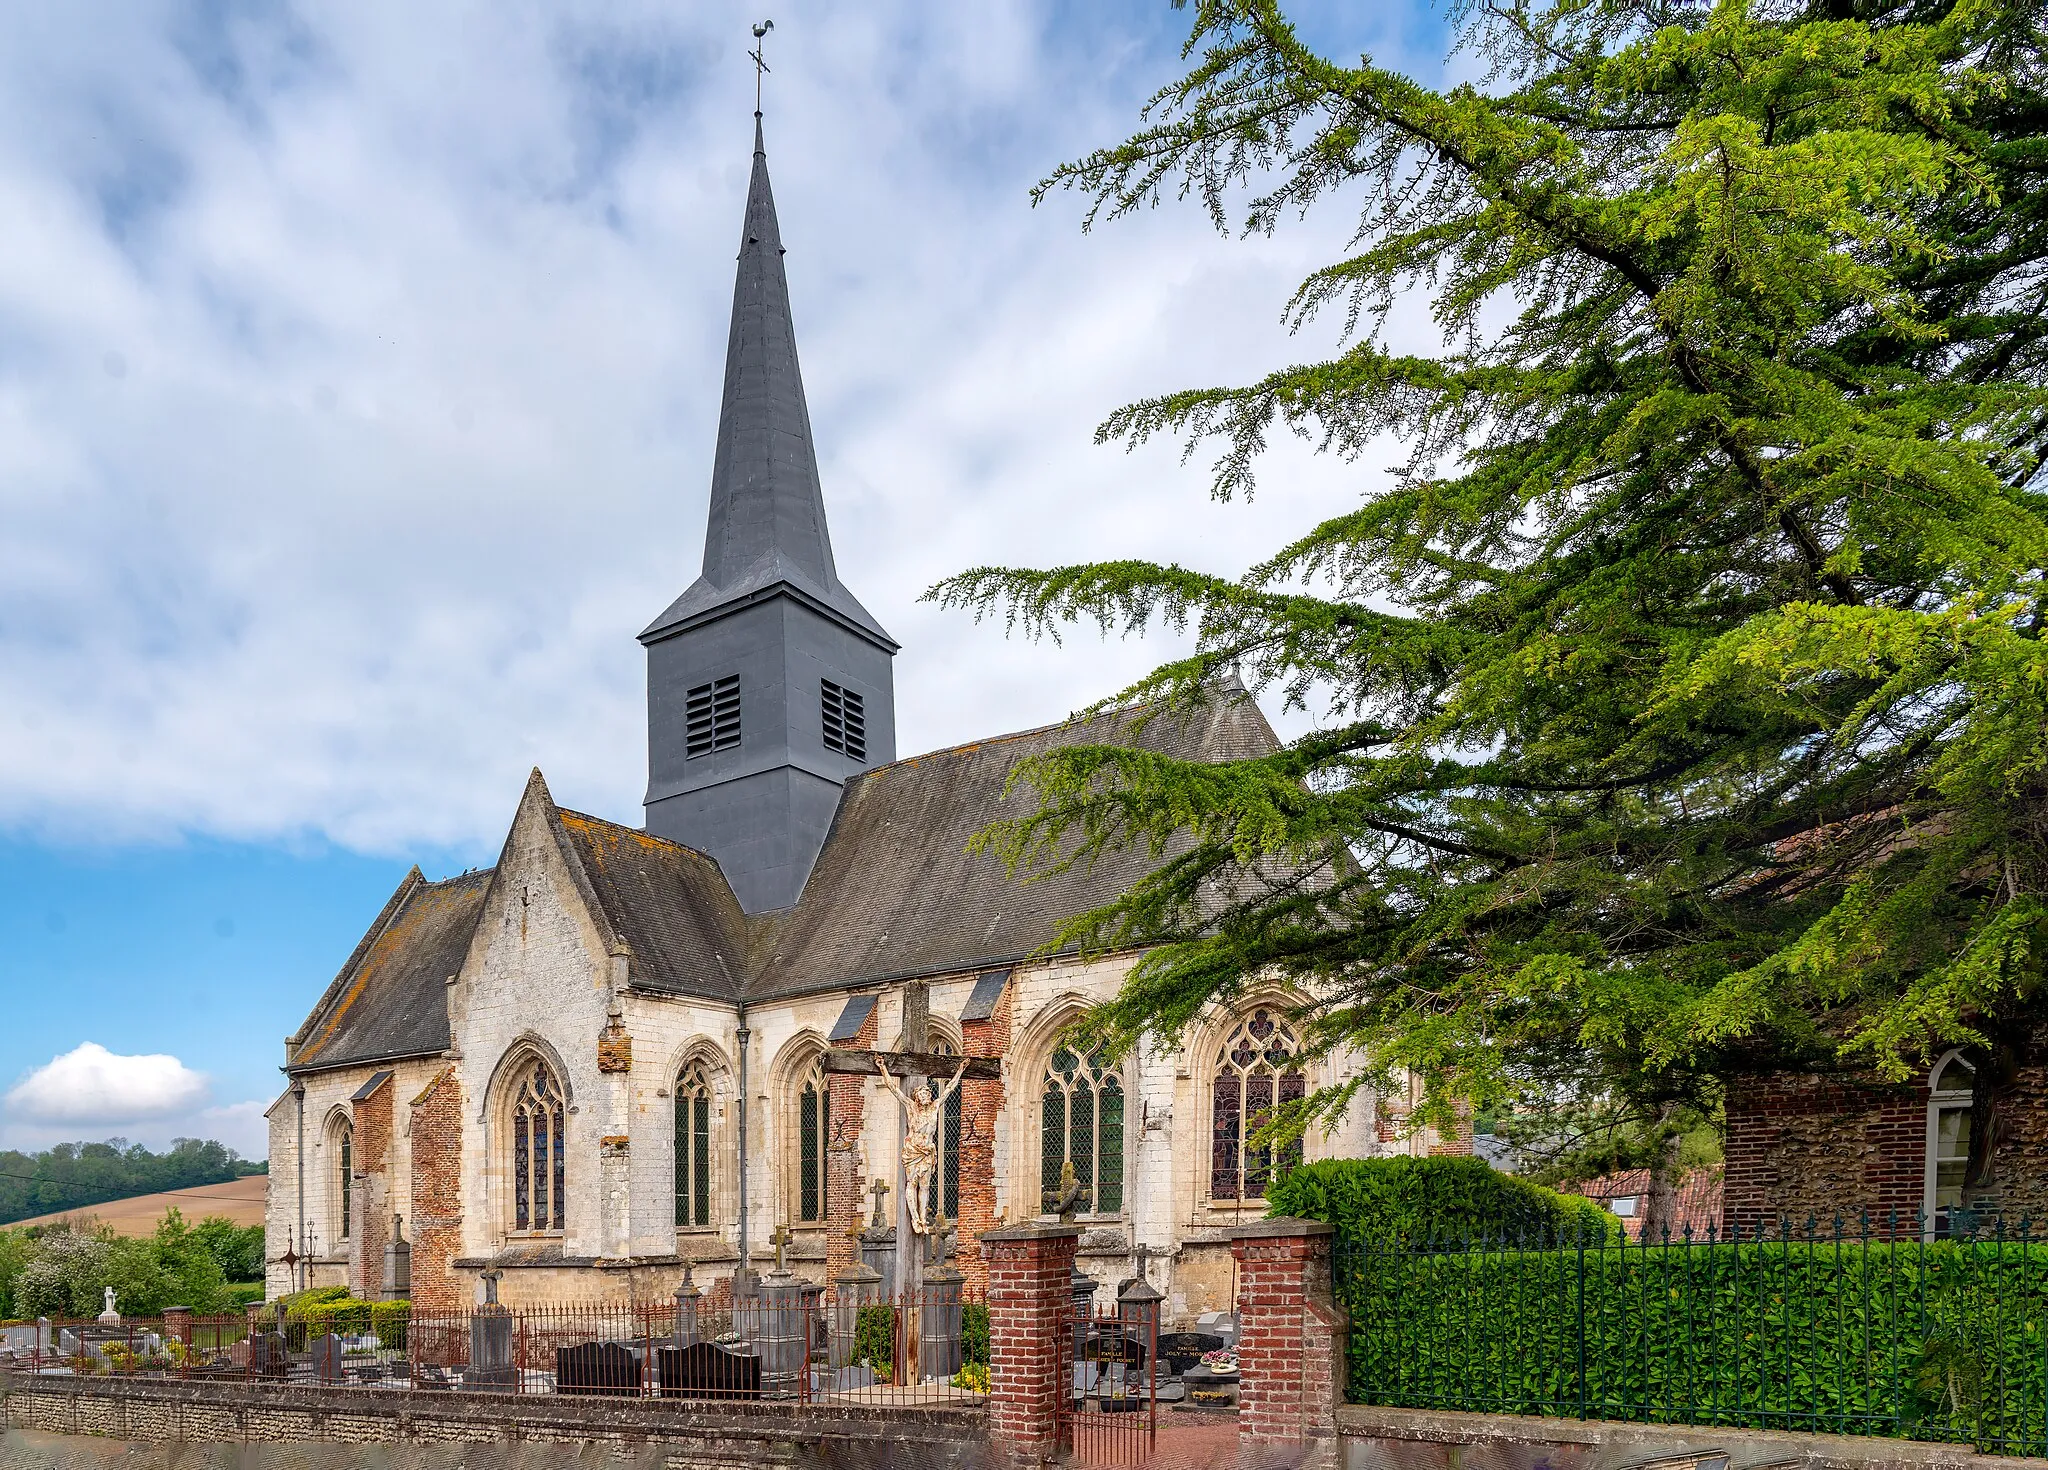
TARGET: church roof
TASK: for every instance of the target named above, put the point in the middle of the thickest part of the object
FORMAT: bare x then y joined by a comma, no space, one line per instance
389,999
669,903
896,891
767,530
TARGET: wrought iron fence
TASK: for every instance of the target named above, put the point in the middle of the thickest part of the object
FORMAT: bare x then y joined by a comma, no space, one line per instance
796,1346
1852,1328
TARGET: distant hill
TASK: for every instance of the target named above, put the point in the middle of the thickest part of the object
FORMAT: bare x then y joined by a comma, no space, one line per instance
76,1177
238,1200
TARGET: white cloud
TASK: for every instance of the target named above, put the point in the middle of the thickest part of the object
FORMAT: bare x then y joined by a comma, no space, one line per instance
91,1085
359,366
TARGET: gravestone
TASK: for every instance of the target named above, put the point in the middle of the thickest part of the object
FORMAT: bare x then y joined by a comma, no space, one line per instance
707,1370
397,1263
598,1368
842,1380
1180,1351
268,1357
491,1368
688,1299
326,1351
941,1309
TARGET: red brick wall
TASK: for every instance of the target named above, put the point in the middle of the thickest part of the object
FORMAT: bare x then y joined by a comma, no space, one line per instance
436,1224
370,1197
1458,1142
1800,1144
1290,1336
1029,1268
843,1185
981,1103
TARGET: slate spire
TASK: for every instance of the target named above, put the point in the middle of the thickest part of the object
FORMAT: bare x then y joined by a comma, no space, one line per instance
767,521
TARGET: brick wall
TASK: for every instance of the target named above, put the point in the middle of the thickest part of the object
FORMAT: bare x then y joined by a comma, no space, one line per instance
1029,1268
370,1231
1290,1337
981,1103
843,1185
1800,1144
437,1194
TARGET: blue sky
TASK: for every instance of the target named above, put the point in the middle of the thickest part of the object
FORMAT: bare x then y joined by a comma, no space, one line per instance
358,372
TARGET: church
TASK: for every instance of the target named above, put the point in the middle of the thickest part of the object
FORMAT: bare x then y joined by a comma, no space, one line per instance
603,1060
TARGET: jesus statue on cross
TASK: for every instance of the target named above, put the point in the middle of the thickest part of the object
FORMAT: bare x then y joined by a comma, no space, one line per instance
921,1114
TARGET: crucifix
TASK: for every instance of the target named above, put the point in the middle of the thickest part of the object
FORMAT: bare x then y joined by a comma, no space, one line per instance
923,1109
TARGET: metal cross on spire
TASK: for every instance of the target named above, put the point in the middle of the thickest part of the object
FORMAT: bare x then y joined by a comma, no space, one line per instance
760,67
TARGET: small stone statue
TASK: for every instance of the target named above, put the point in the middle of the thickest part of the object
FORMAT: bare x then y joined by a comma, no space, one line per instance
110,1317
1065,1200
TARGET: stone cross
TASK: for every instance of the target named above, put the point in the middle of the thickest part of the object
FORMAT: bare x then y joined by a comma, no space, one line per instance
780,1240
880,1191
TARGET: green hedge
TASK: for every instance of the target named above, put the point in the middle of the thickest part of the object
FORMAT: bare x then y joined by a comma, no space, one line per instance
331,1309
1443,1199
1925,1341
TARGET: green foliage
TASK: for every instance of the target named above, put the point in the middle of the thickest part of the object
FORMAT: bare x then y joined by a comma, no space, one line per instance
308,1314
1683,704
973,1377
76,1176
974,1332
1444,1199
15,1250
238,1249
1941,1341
241,1294
874,1339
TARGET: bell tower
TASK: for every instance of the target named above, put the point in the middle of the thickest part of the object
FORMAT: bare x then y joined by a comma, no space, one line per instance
768,684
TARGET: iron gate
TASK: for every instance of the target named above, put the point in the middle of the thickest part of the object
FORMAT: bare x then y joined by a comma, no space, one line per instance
1109,1409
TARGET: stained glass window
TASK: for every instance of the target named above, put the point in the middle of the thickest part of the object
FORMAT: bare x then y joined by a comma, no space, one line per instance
1257,1069
813,1130
539,1159
693,1146
1082,1123
345,1180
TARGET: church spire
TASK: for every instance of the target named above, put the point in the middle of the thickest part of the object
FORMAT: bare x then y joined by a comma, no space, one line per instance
767,522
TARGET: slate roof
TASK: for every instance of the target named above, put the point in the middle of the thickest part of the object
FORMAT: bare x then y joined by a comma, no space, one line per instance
766,531
669,903
895,891
390,998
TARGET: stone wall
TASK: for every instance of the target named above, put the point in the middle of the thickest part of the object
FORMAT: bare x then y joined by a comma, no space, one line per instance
844,1182
981,1104
732,1435
1800,1144
1376,1438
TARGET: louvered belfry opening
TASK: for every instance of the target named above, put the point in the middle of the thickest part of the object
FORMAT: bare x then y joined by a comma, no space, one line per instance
713,716
845,720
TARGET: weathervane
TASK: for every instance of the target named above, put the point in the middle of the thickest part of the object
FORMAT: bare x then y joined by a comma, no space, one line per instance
760,34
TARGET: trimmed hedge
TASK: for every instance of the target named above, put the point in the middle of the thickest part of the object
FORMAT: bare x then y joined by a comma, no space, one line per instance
1926,1341
331,1309
1439,1199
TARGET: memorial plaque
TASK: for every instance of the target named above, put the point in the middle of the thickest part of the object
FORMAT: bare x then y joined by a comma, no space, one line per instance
597,1368
707,1370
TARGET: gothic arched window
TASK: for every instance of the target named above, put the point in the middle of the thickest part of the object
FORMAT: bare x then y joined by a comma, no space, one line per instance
1950,1093
539,1159
693,1146
813,1137
1082,1123
944,1196
1257,1069
344,1176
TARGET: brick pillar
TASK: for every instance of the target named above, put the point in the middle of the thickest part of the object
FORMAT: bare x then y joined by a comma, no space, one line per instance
370,1199
1290,1343
981,1103
178,1324
437,1194
1029,1267
844,1188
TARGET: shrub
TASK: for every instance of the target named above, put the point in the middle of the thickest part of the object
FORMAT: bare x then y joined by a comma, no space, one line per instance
346,1316
874,1339
974,1332
1937,1341
1435,1199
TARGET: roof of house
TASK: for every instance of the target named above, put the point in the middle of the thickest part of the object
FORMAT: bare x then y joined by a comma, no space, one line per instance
1698,1199
896,892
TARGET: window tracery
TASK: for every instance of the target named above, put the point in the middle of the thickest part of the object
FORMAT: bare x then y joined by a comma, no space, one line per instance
814,1133
693,1146
1082,1123
1257,1069
539,1158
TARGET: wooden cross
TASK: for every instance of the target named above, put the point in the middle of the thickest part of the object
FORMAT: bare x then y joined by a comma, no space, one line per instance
780,1240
